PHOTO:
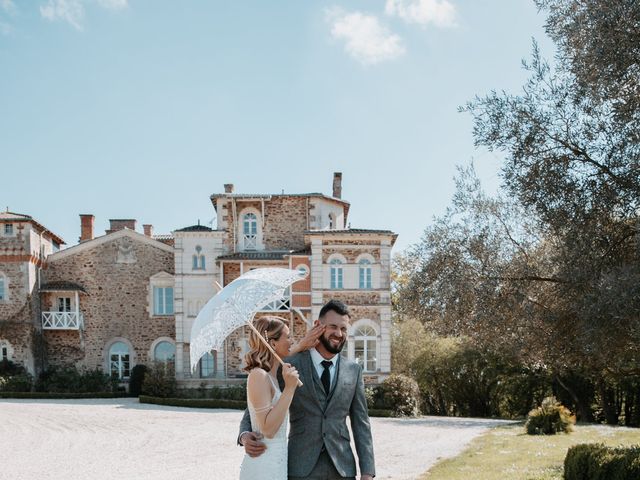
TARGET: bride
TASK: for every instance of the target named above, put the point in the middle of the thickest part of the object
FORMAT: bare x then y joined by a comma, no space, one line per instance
269,406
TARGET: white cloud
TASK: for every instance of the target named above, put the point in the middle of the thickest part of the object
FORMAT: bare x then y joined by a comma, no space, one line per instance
365,38
8,6
441,13
114,4
70,11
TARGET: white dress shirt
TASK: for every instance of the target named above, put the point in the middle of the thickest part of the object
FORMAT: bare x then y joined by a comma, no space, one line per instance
317,360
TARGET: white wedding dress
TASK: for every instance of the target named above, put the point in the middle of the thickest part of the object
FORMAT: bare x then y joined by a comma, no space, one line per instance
272,464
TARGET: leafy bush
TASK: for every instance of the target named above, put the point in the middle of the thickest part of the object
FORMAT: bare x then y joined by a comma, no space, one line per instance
8,368
402,395
22,382
70,380
549,418
160,380
599,462
137,379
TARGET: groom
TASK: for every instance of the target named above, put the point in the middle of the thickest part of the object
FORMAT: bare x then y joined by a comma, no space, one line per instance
333,389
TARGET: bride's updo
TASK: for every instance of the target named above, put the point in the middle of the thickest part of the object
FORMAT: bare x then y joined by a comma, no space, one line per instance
259,356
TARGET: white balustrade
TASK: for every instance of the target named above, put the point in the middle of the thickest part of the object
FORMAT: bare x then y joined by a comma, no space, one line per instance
62,321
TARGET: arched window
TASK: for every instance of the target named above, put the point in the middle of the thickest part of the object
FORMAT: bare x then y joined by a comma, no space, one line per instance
119,363
365,273
208,365
250,231
365,348
164,352
198,261
335,273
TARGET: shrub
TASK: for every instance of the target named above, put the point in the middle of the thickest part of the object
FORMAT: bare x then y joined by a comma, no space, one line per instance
8,368
549,418
160,380
137,379
22,382
598,462
70,380
402,395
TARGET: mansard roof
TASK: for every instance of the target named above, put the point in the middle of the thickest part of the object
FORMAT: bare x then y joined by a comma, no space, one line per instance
10,217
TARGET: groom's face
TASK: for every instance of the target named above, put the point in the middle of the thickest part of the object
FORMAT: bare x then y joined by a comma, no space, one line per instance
335,333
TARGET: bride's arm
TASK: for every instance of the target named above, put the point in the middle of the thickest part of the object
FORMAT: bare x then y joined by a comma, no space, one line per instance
268,417
309,341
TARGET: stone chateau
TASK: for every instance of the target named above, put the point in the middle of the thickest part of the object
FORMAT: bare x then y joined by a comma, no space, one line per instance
122,298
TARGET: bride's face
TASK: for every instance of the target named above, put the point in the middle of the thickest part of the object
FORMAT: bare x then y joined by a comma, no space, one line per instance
282,346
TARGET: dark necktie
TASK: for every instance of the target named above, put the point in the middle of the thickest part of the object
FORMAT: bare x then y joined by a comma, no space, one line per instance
326,376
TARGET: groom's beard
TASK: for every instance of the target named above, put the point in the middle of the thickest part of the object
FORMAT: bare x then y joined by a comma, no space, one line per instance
330,347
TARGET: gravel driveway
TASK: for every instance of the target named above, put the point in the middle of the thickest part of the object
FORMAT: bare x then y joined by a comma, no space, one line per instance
121,439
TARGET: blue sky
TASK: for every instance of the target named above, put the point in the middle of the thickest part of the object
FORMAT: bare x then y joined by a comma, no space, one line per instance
144,108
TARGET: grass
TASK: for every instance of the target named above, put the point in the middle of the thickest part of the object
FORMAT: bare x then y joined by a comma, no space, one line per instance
507,452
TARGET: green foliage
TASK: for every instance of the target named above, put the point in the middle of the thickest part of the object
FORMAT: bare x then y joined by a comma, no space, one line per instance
194,402
549,418
402,395
231,392
22,382
8,368
160,380
44,395
70,380
137,379
599,462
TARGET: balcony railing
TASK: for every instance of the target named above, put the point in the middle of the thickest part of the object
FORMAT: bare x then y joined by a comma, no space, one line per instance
62,321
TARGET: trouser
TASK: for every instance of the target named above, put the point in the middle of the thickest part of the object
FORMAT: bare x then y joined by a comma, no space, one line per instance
323,470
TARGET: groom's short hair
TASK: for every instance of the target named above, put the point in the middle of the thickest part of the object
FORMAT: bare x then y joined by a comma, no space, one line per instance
335,306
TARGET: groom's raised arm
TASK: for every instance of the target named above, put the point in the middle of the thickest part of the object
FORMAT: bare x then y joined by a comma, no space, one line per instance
359,416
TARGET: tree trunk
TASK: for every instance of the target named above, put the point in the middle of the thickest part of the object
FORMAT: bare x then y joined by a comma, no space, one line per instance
607,403
584,413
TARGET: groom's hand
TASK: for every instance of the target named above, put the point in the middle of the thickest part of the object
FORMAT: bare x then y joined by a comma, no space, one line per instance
251,441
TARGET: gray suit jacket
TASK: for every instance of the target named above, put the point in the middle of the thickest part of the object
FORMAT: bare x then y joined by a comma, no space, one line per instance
317,419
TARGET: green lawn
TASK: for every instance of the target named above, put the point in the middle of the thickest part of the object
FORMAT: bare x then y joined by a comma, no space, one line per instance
509,453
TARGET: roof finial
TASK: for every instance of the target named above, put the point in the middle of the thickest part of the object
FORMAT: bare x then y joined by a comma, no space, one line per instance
198,222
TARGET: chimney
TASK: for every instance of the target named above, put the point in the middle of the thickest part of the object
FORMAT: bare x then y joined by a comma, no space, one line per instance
228,188
337,185
116,224
86,227
148,230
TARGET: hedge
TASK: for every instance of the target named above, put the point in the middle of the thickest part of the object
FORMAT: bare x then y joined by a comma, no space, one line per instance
599,462
51,395
223,403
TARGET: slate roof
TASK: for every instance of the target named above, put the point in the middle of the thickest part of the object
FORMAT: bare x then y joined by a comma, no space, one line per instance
261,255
61,286
195,228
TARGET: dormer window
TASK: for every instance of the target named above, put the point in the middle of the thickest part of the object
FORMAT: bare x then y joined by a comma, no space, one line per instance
8,229
198,261
250,231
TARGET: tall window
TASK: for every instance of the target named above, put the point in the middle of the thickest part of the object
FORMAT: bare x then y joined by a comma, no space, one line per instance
163,300
119,360
164,352
4,352
207,365
3,294
335,272
250,231
64,304
198,262
365,340
365,273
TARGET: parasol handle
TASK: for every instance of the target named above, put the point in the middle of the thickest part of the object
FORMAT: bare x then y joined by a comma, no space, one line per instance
270,347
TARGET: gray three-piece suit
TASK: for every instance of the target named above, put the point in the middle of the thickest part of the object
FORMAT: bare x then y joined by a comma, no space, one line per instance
318,421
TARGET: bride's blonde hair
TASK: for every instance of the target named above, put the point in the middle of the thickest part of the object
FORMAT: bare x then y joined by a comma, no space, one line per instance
259,356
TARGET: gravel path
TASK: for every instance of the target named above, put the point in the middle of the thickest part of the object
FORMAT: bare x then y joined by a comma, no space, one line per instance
115,439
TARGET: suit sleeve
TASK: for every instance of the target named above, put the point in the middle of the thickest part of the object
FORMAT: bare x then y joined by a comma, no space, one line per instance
359,415
245,424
